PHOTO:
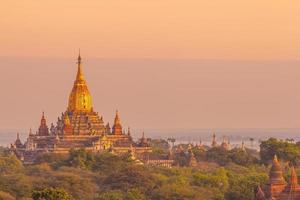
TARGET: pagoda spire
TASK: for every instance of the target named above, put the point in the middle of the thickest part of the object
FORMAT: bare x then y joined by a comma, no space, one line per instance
79,76
80,99
214,141
117,118
117,128
276,174
43,129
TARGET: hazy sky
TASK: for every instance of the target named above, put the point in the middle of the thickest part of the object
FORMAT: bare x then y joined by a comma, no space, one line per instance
162,63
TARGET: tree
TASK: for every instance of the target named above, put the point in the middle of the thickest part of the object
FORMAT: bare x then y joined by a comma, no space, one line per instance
107,163
284,150
111,195
80,158
10,164
218,155
51,194
218,179
131,177
134,194
241,157
6,196
244,186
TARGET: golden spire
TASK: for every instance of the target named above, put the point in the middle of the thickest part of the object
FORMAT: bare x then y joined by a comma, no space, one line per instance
80,99
79,76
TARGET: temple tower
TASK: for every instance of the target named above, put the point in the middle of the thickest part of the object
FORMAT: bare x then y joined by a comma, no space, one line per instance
276,183
80,99
214,141
276,175
68,130
18,142
143,141
277,187
225,145
80,119
43,129
117,128
192,160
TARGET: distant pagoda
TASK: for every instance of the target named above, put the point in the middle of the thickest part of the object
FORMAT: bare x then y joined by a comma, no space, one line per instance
277,188
78,127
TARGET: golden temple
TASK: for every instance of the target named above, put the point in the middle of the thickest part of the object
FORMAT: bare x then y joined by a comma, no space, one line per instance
79,127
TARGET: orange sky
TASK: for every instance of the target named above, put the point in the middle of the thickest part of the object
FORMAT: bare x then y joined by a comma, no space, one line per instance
150,60
218,29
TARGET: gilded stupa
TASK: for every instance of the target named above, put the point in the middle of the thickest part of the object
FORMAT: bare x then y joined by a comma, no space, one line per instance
80,99
78,127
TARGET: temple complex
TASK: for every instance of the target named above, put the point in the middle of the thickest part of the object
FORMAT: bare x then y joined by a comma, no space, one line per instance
79,127
277,188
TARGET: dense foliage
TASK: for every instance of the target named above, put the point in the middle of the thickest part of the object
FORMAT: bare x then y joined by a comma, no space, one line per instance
84,175
51,194
285,150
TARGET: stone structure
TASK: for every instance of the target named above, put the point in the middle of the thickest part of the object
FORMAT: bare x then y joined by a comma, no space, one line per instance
192,160
200,146
226,144
78,127
243,147
277,188
214,141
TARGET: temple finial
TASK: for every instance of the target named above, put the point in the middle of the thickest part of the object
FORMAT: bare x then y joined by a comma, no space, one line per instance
79,57
79,76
